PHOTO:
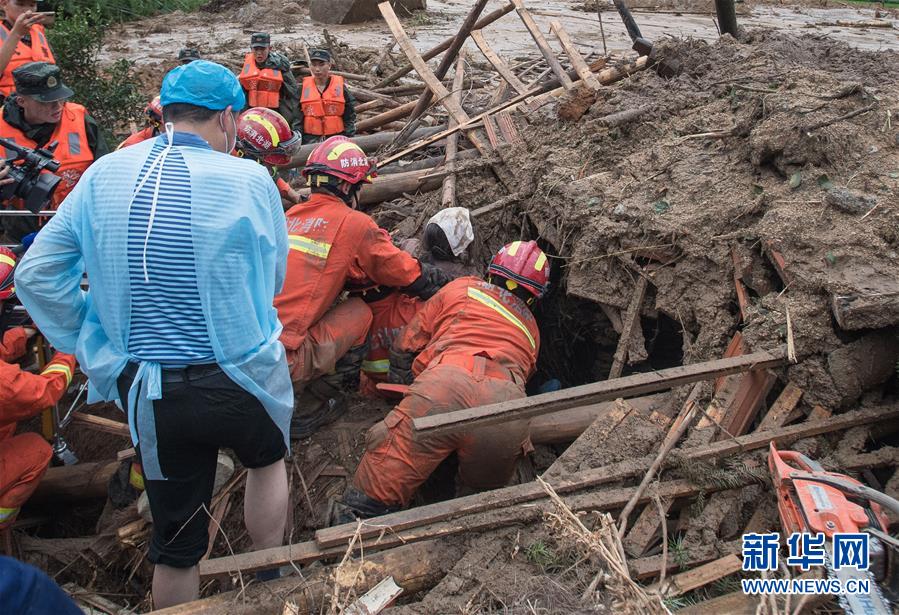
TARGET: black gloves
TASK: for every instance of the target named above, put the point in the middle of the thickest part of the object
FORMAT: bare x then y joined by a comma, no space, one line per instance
428,283
401,367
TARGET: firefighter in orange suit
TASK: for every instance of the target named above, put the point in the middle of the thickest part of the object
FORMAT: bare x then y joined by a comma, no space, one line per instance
23,458
153,112
268,81
36,115
326,341
23,38
476,343
326,106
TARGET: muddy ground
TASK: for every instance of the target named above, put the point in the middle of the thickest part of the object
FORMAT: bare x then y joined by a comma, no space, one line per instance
779,144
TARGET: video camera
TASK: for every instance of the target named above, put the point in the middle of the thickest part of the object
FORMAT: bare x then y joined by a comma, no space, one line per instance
30,183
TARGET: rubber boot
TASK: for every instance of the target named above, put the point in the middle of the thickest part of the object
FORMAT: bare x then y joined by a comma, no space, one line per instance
349,367
356,505
320,404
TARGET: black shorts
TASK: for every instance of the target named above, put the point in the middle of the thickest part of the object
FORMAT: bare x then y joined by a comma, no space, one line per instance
195,417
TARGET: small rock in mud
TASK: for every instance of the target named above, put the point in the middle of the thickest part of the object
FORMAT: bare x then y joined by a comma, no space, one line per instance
849,201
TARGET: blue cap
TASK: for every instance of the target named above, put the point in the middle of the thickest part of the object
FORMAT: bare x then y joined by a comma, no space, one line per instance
204,84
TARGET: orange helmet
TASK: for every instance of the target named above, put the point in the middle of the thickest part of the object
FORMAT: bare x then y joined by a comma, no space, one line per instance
7,271
153,111
264,135
340,159
522,263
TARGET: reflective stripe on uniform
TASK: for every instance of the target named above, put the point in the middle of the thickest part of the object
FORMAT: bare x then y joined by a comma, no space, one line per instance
309,246
136,478
381,366
484,298
541,260
7,260
58,368
7,514
512,250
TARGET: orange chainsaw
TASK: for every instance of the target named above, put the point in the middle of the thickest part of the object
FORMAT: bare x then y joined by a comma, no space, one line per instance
812,500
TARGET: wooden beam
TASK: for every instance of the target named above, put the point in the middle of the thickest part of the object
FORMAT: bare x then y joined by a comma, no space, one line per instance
631,320
483,22
585,479
543,45
649,567
369,143
782,408
574,56
565,426
645,530
680,584
736,603
386,117
453,107
98,423
501,67
742,293
83,481
448,197
629,386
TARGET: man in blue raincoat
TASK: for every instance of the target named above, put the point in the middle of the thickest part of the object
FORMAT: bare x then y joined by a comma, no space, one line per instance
185,247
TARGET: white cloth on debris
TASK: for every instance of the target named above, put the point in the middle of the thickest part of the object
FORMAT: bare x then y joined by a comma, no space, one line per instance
456,225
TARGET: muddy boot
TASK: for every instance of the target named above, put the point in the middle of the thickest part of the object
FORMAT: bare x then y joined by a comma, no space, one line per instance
349,367
356,505
320,404
126,485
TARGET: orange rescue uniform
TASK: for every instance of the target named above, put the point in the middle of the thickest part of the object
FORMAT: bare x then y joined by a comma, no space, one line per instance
389,316
327,240
263,85
37,51
323,111
477,344
24,458
139,137
73,152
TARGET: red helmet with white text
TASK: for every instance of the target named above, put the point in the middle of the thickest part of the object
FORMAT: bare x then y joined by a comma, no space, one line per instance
522,263
341,159
264,135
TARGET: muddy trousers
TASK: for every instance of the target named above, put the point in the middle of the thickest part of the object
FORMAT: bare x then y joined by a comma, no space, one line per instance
395,464
23,461
341,328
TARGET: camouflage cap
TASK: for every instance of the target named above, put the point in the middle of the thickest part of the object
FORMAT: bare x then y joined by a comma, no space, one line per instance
41,81
260,39
320,54
188,54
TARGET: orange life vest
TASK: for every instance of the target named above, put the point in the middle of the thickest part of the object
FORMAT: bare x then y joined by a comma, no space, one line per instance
39,51
140,136
263,86
323,111
73,152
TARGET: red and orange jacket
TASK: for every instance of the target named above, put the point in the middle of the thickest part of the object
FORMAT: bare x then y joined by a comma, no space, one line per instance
23,394
38,51
470,317
138,137
327,240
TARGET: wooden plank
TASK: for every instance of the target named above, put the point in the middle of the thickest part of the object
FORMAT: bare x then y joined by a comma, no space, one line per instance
543,44
735,603
680,584
742,293
631,320
593,477
498,64
780,264
649,567
98,423
567,425
646,529
782,408
386,117
748,401
580,66
311,551
448,196
507,128
490,129
483,22
629,386
819,413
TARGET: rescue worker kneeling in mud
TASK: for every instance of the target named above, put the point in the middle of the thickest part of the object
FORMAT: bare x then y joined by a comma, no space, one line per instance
446,239
265,136
476,343
25,457
327,236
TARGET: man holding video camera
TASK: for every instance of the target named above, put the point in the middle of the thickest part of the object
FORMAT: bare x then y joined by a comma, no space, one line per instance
38,114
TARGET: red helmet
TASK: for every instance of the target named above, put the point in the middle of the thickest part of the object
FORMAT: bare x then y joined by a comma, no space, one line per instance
7,271
265,135
522,263
153,111
340,158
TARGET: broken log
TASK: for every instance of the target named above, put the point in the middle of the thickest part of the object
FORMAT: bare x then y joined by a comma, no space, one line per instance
415,567
574,56
431,163
631,320
591,478
385,118
484,21
369,143
501,67
448,198
83,481
98,423
629,386
565,426
446,62
497,204
543,44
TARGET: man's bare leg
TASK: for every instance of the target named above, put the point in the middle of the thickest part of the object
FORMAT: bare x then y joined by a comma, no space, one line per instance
173,586
265,505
